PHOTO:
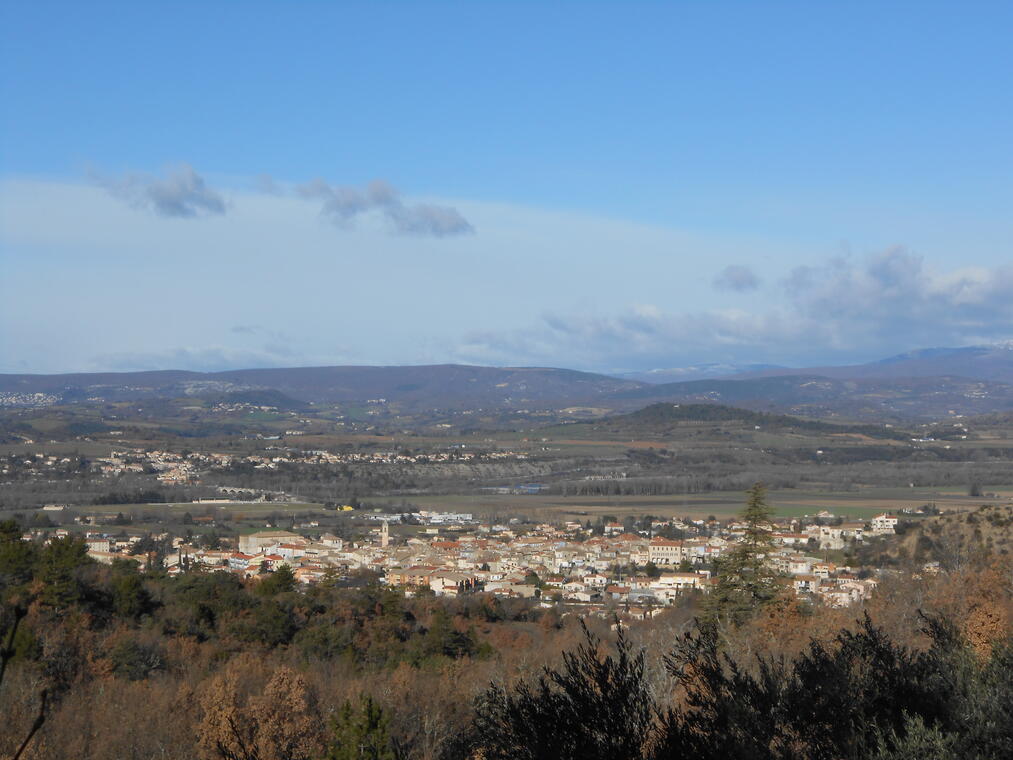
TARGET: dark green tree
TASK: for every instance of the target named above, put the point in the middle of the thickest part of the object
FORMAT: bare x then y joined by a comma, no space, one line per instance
134,661
745,578
130,598
861,696
442,639
268,623
596,707
17,557
360,733
57,568
281,581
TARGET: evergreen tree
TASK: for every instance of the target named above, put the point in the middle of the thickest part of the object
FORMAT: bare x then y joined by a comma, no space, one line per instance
360,733
57,569
17,557
745,580
598,706
281,581
130,598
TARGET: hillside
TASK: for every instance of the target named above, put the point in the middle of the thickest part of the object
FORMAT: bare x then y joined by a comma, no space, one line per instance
667,420
268,398
956,538
519,390
662,416
923,398
443,386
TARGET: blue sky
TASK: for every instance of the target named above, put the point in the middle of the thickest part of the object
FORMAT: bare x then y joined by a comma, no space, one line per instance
611,186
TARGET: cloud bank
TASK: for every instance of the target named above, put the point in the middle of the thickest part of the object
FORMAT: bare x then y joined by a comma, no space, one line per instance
183,193
840,311
342,204
539,288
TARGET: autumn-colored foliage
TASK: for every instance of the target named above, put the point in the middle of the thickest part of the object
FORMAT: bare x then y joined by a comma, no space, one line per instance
280,723
139,665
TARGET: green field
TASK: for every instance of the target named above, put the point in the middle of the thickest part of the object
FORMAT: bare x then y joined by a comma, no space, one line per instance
178,509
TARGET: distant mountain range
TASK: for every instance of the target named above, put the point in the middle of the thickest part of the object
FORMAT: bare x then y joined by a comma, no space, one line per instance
973,362
994,363
698,372
921,385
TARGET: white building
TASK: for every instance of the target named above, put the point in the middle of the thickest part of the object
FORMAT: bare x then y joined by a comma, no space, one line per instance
884,524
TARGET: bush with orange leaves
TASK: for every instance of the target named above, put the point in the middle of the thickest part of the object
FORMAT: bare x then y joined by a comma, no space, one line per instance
281,723
979,600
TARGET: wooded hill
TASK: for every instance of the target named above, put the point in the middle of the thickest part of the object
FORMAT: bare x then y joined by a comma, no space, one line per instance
666,420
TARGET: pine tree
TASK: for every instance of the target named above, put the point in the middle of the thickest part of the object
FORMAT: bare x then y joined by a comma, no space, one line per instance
281,581
360,733
745,580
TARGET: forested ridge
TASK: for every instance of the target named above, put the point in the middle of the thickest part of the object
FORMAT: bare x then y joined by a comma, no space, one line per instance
661,418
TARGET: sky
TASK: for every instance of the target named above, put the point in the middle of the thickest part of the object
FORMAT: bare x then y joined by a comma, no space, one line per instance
614,187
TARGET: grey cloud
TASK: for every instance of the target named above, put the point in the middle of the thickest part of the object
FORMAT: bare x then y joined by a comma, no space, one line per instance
737,278
182,193
342,204
894,293
424,219
844,310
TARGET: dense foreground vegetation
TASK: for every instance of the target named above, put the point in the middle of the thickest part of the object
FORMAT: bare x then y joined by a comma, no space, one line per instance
861,695
138,665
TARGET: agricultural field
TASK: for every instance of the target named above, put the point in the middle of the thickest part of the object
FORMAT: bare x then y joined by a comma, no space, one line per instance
858,505
665,460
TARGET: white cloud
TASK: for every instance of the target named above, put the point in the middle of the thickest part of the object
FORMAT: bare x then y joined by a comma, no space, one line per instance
843,310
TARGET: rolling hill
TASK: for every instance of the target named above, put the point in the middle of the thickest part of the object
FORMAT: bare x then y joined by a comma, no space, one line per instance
871,399
437,386
920,386
663,420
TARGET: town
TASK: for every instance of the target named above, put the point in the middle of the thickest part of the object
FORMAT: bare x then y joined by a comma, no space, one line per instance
638,569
